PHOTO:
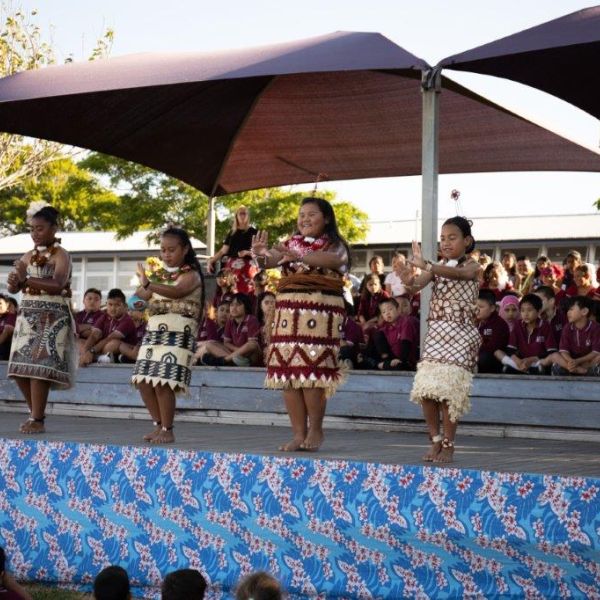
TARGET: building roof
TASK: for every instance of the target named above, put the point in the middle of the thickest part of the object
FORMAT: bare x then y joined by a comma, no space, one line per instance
497,229
88,242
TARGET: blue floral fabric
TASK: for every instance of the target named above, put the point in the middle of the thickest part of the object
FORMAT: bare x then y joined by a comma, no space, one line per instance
325,528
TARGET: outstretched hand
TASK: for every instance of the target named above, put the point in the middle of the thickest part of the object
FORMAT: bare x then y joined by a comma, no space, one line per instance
260,244
141,273
417,256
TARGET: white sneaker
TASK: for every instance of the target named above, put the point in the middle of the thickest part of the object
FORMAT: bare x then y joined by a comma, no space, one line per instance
105,358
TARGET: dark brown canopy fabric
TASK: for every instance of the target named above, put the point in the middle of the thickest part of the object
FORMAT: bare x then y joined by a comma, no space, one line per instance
344,105
560,57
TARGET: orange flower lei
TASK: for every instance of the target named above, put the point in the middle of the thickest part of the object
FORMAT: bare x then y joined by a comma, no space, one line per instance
41,254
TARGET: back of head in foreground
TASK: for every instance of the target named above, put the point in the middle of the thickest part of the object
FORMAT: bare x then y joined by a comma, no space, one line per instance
112,583
259,586
184,584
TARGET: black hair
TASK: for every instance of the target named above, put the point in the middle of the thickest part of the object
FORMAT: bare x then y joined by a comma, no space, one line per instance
465,227
112,583
12,301
532,299
262,277
184,584
546,291
331,228
536,272
487,296
349,308
259,586
374,258
368,277
260,315
2,560
116,293
189,258
49,214
93,291
582,302
387,301
595,310
522,257
243,299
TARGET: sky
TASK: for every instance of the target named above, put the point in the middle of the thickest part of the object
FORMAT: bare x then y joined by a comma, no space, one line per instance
431,29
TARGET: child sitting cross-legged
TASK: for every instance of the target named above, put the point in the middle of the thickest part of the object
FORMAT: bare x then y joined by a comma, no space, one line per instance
126,352
212,328
240,346
531,340
557,318
494,333
351,339
579,348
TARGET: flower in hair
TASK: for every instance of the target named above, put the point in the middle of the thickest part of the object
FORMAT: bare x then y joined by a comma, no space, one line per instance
34,208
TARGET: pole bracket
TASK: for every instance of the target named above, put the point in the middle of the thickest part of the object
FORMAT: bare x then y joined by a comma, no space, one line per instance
432,80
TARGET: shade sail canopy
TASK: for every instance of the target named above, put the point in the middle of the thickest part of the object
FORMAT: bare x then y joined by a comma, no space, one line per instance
560,57
344,105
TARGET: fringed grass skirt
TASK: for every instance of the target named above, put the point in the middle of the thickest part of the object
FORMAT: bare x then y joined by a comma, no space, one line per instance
305,341
43,345
166,353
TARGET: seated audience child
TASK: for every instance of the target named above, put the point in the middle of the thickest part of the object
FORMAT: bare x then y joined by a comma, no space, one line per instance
509,310
8,319
376,267
494,333
396,340
571,262
542,262
551,277
112,583
584,282
531,340
86,319
240,346
9,588
225,287
393,284
114,327
556,318
264,313
259,586
371,296
351,339
509,262
127,353
184,584
579,348
496,279
525,274
212,328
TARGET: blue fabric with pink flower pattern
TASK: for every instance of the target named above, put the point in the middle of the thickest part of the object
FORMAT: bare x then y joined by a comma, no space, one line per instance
323,527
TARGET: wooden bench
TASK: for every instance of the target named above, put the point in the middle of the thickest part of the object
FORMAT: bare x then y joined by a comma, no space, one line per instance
515,406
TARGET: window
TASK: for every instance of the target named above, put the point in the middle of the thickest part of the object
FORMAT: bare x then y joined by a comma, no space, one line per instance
558,253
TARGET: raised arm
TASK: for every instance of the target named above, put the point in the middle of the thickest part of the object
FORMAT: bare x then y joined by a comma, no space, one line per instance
53,285
185,285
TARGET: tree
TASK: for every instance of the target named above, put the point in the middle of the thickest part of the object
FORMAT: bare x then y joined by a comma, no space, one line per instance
151,199
23,48
80,198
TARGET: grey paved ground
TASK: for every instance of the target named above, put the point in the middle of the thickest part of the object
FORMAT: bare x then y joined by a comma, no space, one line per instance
484,453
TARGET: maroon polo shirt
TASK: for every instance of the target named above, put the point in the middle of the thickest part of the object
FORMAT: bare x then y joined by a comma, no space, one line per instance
123,325
7,319
140,332
557,322
240,333
494,334
352,332
540,342
83,317
369,305
402,329
415,304
210,331
580,342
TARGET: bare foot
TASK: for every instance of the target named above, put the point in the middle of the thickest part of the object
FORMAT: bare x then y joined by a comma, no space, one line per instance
150,436
31,427
164,436
433,452
312,442
446,454
293,445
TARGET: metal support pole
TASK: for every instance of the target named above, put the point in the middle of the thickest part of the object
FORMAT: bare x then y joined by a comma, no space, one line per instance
431,88
210,227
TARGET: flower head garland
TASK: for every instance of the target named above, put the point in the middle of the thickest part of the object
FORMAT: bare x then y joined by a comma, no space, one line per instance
41,254
157,272
34,208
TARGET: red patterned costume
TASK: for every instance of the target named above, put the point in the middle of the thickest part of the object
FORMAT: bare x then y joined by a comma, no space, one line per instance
309,315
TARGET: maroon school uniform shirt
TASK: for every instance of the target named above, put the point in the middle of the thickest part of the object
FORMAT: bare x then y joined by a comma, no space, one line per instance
580,342
7,319
240,333
494,334
557,322
210,331
572,291
123,325
221,297
83,317
402,329
140,332
368,307
415,305
352,332
540,342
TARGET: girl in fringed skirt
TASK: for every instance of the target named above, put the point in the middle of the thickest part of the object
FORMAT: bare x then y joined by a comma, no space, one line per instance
309,313
444,374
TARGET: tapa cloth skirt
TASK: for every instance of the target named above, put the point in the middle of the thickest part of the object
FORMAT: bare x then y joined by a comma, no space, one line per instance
305,341
43,344
166,353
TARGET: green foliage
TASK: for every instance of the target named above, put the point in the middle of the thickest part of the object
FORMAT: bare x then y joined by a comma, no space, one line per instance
41,592
151,199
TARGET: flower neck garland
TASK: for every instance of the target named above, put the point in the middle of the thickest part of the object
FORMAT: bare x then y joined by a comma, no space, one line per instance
158,272
304,245
41,254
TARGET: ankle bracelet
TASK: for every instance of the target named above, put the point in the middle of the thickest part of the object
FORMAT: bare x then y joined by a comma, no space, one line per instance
436,439
446,443
167,428
156,423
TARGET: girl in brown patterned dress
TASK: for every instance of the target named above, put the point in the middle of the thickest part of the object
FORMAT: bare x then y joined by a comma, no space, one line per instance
449,357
